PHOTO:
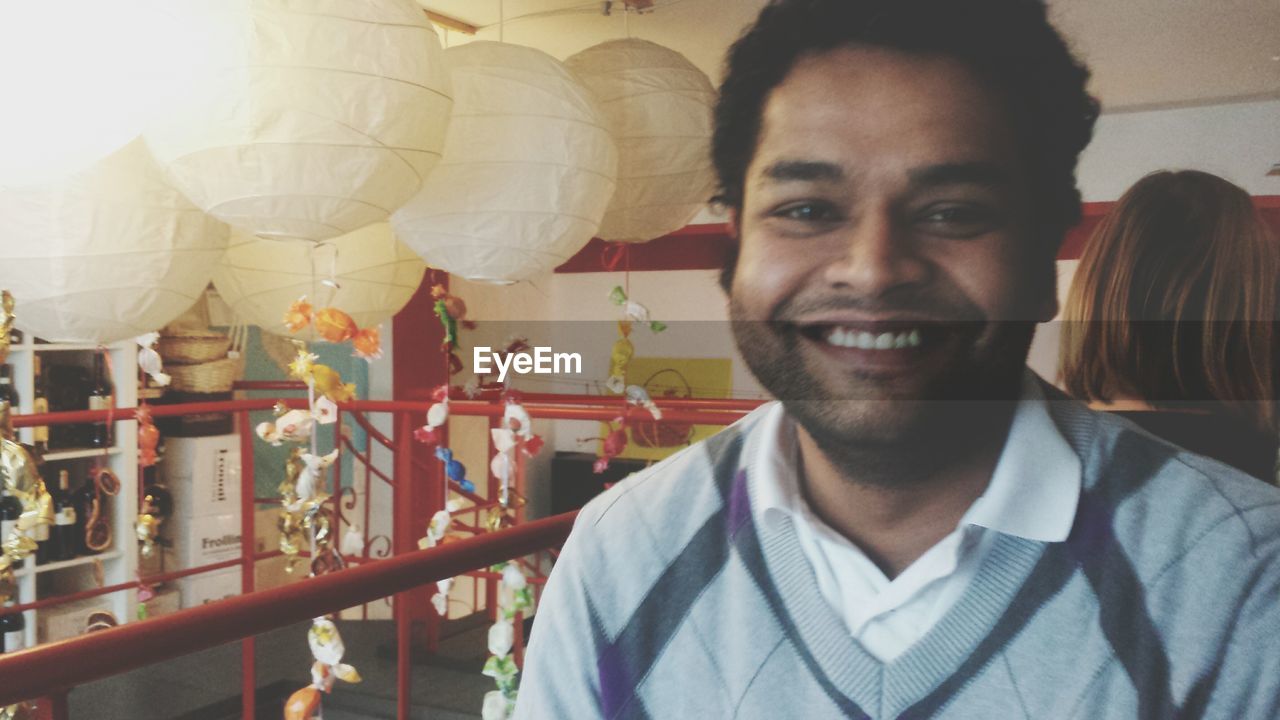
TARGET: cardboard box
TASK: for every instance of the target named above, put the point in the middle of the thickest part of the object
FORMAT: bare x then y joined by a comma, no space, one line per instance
203,475
198,590
205,540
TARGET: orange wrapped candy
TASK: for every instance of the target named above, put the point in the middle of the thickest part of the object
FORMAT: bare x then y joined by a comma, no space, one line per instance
298,316
368,343
334,325
303,705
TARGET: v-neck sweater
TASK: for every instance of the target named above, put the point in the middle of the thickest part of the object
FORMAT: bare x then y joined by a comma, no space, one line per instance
1032,493
668,601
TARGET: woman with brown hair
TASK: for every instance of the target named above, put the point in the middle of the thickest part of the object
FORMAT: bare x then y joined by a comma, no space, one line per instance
1170,318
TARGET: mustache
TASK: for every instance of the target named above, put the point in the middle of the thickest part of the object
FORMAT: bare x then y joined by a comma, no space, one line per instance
932,309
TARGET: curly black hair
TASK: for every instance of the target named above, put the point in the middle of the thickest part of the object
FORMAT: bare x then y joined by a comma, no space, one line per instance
1009,44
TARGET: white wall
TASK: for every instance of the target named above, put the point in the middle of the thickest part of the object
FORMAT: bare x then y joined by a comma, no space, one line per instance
1239,142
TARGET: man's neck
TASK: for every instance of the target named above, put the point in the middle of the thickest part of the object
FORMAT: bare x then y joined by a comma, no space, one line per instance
895,519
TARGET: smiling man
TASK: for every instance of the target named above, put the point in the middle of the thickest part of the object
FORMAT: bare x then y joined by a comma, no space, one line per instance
919,527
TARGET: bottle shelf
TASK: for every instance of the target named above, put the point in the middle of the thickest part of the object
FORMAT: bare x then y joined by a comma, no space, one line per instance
64,564
77,454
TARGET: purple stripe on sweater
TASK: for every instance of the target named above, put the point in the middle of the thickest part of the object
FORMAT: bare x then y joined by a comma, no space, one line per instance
1091,535
739,503
615,689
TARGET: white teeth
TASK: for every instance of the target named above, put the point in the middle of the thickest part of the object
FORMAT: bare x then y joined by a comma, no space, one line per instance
848,338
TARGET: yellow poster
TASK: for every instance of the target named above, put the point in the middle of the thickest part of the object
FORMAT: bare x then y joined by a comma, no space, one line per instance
704,378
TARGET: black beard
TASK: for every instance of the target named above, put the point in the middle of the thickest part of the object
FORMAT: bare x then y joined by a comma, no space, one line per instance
887,437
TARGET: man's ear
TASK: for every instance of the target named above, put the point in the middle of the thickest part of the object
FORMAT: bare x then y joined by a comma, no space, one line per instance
731,257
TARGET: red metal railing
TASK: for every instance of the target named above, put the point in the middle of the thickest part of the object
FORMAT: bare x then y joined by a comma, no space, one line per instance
53,669
50,669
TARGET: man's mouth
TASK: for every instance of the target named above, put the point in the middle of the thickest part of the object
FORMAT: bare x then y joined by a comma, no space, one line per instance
847,337
891,347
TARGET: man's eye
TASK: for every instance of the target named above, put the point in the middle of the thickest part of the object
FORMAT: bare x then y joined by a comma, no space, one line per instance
960,220
807,212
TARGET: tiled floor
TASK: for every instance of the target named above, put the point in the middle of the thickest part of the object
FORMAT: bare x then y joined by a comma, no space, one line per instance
206,686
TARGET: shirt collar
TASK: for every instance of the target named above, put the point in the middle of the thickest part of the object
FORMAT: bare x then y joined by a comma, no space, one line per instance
1033,492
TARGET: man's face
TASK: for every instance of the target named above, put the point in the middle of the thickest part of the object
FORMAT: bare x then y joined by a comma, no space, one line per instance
886,265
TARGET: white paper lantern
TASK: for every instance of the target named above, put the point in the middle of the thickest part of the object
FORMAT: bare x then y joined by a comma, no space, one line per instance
375,273
659,107
527,173
305,120
108,254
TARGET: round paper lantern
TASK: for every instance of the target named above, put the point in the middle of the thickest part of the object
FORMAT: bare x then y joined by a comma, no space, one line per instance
375,273
305,120
527,173
659,107
110,253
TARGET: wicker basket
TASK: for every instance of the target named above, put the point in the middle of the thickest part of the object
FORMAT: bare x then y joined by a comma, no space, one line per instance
193,349
209,377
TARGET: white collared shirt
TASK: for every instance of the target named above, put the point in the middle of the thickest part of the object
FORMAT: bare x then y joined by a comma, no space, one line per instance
1033,494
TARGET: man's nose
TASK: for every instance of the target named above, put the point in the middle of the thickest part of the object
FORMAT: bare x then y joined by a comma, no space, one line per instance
878,256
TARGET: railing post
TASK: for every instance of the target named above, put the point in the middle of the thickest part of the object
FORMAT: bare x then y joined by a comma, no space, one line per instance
495,488
248,547
59,707
403,534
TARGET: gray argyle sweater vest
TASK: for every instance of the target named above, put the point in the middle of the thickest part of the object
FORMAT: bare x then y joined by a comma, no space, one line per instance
1164,603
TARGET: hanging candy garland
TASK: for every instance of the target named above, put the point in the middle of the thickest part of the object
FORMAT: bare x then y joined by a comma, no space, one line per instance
150,514
335,326
327,648
20,477
451,311
514,435
455,472
21,711
615,441
623,350
515,596
302,518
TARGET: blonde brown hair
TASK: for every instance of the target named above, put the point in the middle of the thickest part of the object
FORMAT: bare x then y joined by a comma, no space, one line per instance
1174,300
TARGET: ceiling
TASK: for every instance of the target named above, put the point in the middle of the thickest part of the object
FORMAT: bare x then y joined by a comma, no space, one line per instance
1143,53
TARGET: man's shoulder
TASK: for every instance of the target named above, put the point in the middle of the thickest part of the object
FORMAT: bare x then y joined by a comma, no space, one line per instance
1168,496
668,501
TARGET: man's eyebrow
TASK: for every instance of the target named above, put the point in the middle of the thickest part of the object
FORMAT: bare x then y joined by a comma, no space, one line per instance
803,170
963,173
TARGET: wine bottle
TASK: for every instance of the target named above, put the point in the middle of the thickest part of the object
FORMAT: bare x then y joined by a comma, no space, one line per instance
64,520
156,494
39,405
10,512
13,628
100,398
